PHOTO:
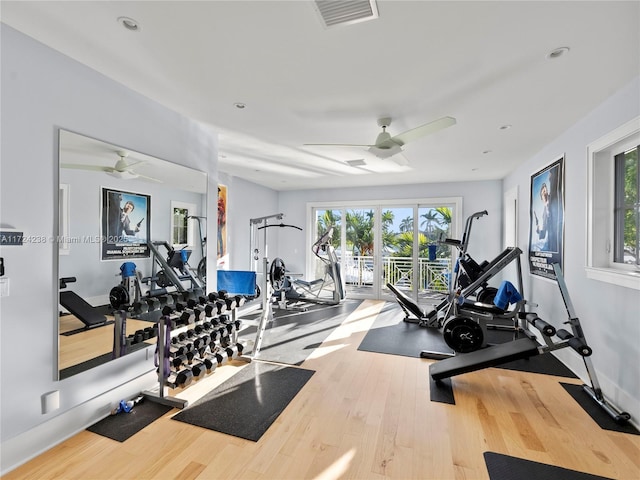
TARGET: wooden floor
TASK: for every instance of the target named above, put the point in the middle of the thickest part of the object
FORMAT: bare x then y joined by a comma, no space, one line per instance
363,415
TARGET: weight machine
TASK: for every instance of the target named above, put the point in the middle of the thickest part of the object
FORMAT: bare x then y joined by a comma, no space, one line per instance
173,270
529,346
266,289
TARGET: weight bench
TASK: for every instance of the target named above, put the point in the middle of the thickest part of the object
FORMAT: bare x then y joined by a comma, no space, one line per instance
82,310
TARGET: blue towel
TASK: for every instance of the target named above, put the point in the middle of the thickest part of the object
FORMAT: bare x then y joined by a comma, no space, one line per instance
507,294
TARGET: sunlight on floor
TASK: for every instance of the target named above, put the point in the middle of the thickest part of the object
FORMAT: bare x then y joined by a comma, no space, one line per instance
337,468
359,321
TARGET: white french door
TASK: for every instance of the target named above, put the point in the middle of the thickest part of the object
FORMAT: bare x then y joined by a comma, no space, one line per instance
389,242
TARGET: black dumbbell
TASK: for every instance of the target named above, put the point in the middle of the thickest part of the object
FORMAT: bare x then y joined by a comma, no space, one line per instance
184,377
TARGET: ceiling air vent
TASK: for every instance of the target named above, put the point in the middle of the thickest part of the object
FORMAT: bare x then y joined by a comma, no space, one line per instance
357,163
346,12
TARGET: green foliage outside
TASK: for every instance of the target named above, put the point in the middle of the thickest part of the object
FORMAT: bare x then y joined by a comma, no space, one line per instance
435,224
632,210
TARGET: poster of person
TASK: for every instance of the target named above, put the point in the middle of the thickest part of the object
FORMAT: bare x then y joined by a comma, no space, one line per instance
222,226
126,223
546,231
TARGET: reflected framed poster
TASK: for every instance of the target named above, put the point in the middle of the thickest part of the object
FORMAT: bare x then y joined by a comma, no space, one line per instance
125,223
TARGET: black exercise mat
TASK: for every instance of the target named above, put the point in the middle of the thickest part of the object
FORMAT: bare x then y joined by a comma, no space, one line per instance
292,336
248,403
392,335
595,411
546,364
442,391
124,425
504,467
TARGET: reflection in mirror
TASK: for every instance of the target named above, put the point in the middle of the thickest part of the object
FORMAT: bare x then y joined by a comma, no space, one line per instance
114,206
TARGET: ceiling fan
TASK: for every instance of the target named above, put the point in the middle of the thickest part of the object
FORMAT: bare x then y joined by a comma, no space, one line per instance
122,169
387,146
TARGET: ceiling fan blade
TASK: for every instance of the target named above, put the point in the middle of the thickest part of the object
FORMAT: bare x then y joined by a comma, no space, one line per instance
151,179
423,130
76,166
400,159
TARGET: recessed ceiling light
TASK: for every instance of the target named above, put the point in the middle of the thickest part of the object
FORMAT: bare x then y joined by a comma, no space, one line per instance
505,127
239,105
130,24
558,52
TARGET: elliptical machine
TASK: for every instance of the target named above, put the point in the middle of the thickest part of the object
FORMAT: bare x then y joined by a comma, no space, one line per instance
328,290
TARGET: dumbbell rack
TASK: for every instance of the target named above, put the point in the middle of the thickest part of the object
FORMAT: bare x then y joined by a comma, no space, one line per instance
168,379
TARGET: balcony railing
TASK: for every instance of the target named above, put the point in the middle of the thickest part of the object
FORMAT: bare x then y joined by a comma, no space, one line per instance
432,275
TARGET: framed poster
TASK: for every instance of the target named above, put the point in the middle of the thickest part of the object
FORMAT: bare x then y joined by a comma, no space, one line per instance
125,223
222,226
546,230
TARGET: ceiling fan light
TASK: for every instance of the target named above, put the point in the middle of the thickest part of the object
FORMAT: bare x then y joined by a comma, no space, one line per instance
386,151
123,175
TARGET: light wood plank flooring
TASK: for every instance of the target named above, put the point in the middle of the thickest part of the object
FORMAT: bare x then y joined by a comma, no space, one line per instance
363,416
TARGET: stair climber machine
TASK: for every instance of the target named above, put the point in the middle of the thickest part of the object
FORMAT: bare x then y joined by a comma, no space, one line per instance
530,346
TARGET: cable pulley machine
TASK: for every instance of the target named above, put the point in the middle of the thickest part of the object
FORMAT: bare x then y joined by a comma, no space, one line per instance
268,276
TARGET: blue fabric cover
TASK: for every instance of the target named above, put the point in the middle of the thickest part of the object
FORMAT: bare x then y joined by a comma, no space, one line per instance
128,269
507,294
237,282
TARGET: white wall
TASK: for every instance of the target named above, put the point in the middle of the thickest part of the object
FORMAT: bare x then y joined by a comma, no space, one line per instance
42,91
608,313
486,235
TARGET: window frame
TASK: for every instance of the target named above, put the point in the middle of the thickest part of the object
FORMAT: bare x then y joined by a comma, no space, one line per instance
600,263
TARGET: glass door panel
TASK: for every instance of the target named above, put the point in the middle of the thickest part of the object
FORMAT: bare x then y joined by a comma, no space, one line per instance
397,248
359,261
434,259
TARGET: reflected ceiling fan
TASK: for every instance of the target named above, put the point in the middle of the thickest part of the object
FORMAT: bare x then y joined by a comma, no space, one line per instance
387,146
122,169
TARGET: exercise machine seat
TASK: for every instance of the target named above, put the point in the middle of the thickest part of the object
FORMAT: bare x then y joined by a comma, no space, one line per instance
86,313
484,358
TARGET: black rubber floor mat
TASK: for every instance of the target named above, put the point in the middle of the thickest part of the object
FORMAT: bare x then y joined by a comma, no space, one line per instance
124,425
504,467
390,334
248,403
596,412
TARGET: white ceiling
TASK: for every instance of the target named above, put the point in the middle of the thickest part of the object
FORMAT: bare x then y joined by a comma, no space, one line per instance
484,63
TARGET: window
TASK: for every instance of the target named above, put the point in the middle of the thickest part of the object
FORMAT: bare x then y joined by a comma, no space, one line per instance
612,207
181,226
627,208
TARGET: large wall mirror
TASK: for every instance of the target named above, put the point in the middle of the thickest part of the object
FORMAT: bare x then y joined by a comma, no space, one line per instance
112,202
